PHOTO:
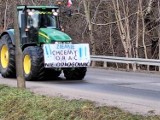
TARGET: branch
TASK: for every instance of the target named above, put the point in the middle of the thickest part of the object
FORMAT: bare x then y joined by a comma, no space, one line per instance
5,15
99,24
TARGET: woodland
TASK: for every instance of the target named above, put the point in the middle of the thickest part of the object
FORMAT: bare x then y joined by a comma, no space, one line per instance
123,28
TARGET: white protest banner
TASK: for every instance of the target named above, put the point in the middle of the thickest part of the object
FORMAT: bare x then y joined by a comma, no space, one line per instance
66,55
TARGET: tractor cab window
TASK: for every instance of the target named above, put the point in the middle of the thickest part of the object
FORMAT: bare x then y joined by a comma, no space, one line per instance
41,19
19,18
47,20
32,19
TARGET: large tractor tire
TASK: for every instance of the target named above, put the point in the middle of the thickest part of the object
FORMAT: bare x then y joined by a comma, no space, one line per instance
33,63
52,73
7,57
75,73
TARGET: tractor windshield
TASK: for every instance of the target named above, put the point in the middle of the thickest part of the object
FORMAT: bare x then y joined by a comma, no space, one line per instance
47,20
41,19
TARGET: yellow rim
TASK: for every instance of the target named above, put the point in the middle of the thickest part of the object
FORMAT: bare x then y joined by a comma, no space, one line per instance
4,56
27,64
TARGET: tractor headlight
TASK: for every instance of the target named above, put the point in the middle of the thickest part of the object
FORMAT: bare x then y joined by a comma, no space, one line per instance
53,10
55,14
30,12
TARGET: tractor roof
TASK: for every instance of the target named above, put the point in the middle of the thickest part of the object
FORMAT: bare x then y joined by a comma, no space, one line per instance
21,7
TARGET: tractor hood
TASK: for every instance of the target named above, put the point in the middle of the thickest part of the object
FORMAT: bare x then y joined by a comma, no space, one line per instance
51,35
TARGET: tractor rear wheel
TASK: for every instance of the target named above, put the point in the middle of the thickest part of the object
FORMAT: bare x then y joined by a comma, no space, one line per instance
7,57
33,63
75,73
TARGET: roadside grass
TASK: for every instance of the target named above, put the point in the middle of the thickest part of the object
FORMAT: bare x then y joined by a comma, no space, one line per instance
16,104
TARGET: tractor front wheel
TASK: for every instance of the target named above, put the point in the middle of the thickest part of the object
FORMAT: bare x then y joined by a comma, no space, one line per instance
75,73
33,65
7,57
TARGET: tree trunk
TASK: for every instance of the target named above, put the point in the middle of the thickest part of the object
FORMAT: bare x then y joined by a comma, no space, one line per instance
124,34
19,65
90,27
137,37
5,16
143,29
151,22
159,32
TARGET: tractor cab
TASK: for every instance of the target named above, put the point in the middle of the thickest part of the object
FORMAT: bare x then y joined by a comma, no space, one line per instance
39,25
42,18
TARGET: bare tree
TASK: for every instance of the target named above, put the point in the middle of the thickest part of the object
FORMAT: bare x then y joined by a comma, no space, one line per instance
5,15
159,31
19,63
137,36
143,29
127,28
86,4
123,27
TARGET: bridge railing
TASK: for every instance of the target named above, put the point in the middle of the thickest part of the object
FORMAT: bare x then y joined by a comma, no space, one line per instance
134,61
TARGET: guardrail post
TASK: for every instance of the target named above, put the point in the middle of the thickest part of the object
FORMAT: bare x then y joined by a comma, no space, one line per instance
105,64
134,67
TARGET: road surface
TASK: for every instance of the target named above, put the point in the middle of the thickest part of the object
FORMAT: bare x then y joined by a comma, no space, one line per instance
134,92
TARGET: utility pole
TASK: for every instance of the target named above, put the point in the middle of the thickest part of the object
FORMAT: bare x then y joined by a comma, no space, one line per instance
18,51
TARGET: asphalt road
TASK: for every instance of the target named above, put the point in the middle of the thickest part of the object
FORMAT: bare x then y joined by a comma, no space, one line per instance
132,91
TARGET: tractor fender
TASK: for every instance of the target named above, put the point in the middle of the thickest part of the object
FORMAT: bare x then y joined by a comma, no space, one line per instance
10,32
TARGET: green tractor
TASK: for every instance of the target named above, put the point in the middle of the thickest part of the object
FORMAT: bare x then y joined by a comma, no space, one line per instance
47,51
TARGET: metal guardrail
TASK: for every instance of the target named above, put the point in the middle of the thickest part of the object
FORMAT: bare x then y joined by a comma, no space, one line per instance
125,60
